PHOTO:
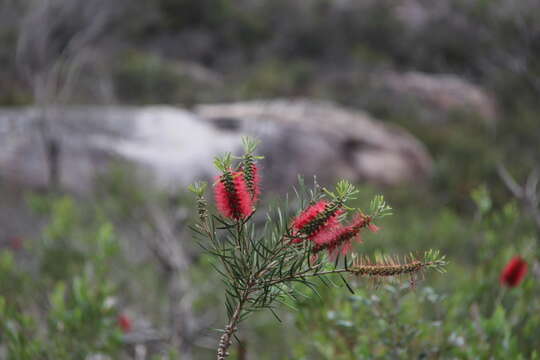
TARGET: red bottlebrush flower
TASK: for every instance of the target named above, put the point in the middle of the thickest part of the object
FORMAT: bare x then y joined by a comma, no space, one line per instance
309,215
125,323
318,217
340,237
514,272
233,199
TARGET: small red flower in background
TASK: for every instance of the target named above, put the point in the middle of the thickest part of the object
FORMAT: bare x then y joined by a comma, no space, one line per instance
514,272
124,322
233,199
16,243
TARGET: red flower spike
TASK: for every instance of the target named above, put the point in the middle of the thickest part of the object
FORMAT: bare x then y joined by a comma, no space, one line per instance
312,222
309,215
340,237
245,203
333,221
124,322
514,272
233,199
222,199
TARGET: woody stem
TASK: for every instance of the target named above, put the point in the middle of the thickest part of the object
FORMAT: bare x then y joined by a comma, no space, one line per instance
225,340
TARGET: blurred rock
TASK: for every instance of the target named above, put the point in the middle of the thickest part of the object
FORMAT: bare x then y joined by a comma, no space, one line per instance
173,147
321,138
166,145
437,95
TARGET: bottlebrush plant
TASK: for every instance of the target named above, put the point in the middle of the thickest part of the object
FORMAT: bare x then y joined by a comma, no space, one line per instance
259,268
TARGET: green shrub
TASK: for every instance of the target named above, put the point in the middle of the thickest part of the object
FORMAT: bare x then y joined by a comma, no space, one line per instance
60,304
472,316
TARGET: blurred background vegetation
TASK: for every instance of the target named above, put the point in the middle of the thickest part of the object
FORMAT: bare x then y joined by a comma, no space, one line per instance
72,265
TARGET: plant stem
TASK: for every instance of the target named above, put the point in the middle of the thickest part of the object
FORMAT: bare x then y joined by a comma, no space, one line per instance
230,329
226,339
370,270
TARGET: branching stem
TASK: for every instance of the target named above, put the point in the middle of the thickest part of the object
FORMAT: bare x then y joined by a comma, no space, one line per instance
226,339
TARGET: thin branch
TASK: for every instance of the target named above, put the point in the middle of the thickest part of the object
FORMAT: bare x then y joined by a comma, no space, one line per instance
527,194
364,268
225,340
509,181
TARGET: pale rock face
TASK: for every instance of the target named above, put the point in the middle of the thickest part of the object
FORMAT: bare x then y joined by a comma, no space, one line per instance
168,146
325,139
172,144
171,147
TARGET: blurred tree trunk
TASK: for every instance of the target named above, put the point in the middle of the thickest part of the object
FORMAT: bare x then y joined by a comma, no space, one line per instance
175,264
53,153
58,42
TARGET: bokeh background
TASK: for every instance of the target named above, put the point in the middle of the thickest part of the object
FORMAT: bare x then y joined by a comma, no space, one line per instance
109,109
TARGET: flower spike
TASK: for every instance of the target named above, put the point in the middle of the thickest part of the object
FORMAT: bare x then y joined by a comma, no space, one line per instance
233,199
340,237
319,217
